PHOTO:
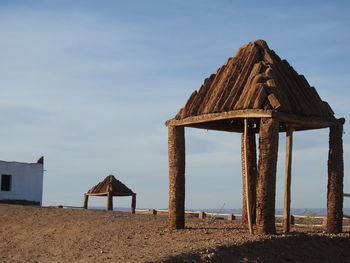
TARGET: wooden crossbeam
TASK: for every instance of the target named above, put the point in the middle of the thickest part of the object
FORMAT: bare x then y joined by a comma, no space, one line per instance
219,116
299,122
216,127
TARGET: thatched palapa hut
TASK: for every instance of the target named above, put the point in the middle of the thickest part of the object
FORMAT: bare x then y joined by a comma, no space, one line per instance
110,187
256,92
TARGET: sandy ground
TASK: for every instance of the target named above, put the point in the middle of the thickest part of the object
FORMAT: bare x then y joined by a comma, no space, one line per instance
33,234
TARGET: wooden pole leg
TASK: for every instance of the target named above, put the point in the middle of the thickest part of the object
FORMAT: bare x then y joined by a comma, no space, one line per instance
266,181
153,212
252,169
86,200
292,220
247,179
109,201
287,182
202,215
335,181
133,204
176,152
231,217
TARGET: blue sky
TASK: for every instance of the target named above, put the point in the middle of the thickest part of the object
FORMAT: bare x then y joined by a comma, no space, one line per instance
89,85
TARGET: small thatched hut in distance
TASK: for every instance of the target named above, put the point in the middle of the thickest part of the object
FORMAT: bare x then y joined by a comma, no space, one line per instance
256,92
110,187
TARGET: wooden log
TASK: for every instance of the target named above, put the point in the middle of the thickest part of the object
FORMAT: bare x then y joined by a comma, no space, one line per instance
335,181
266,180
252,58
324,222
228,85
153,211
247,178
252,88
133,204
274,101
109,201
251,113
231,217
86,200
252,168
311,122
202,215
216,127
176,153
244,218
193,109
287,182
207,101
301,120
292,220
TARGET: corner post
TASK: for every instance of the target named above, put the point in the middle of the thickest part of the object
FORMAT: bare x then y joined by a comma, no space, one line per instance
247,178
133,204
176,152
266,180
252,169
287,182
86,200
335,181
109,201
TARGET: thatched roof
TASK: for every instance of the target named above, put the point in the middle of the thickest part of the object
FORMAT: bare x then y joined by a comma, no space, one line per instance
110,185
255,81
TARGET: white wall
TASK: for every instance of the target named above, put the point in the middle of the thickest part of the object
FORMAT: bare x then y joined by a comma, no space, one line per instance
26,181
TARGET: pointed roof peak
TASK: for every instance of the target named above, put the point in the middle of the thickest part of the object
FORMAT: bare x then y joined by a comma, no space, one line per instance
110,185
258,42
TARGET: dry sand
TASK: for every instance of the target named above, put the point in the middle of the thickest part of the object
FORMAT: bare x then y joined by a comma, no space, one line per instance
34,234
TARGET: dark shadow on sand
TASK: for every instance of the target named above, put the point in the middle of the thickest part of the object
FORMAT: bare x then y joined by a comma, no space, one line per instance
296,247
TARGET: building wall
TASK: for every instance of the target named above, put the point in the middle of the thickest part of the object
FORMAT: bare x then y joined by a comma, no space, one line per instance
26,181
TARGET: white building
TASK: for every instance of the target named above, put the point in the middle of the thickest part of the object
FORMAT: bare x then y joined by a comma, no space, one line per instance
21,183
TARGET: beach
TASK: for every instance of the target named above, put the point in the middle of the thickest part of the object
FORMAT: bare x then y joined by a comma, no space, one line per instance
51,234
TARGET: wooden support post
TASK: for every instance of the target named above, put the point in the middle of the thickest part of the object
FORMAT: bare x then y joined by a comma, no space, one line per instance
287,182
86,200
292,220
247,181
133,204
202,215
266,180
176,152
109,201
324,222
231,217
153,211
252,168
335,181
